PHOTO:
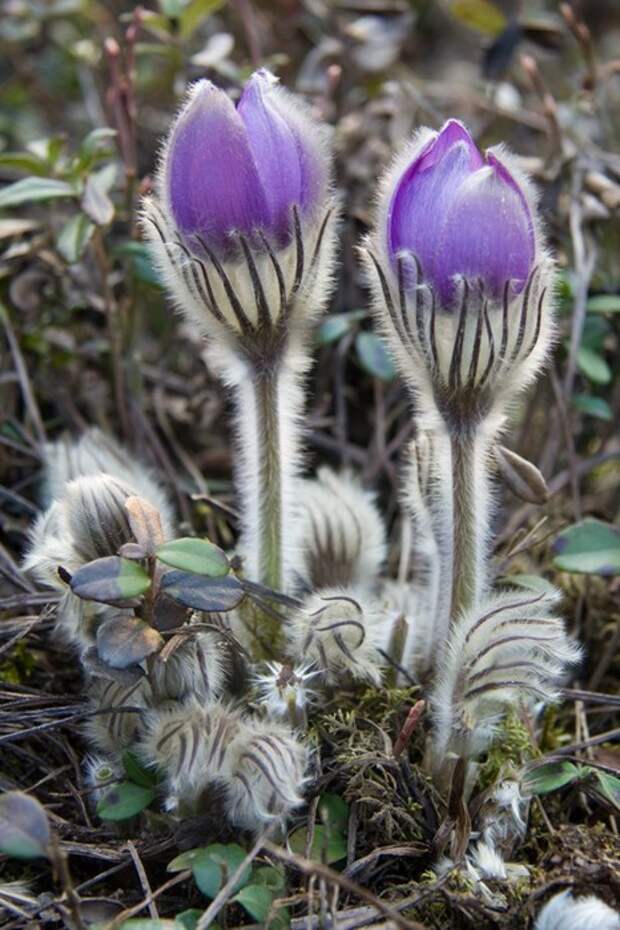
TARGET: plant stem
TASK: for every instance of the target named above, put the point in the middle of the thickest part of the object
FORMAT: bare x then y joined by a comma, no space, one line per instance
470,507
269,474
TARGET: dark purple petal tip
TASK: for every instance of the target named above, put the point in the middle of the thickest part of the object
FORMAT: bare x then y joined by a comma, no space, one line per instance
462,215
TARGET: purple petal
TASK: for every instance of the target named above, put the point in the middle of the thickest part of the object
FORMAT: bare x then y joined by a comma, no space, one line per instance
487,232
426,189
276,151
212,182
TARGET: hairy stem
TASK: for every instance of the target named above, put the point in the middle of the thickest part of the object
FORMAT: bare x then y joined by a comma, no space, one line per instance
269,475
470,506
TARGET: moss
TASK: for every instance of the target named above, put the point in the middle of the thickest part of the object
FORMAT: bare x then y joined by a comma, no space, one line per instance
510,751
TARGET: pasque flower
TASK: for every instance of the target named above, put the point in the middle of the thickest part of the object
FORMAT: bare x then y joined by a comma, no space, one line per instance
460,274
243,231
243,222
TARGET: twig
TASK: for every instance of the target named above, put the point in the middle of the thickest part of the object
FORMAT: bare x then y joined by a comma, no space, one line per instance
146,888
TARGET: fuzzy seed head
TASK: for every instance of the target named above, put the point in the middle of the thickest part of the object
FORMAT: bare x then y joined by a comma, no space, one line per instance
339,631
341,532
564,912
285,691
269,775
196,670
113,730
511,649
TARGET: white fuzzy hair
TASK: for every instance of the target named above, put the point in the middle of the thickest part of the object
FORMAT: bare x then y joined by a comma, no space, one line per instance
196,669
341,532
269,775
400,603
285,691
192,745
487,862
111,732
564,912
512,648
339,630
502,819
96,452
513,342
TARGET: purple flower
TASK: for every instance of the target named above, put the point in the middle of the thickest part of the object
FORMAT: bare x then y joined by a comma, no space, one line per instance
462,214
241,170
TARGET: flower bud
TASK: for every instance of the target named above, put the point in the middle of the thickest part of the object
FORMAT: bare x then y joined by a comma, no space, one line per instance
340,631
242,226
461,280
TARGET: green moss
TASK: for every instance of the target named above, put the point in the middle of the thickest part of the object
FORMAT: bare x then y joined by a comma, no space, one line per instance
512,748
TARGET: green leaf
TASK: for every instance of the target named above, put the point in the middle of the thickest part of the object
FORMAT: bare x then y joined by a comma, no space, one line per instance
336,325
125,800
590,547
593,406
125,641
211,595
531,582
195,13
33,189
328,844
98,139
24,827
271,876
95,201
257,900
374,357
187,920
194,555
334,810
593,366
213,865
604,303
549,777
23,161
481,15
74,237
595,331
110,580
142,261
184,860
138,773
609,786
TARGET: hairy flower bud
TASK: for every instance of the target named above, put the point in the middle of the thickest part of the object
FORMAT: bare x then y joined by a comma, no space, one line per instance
340,631
513,647
242,226
341,533
461,280
564,912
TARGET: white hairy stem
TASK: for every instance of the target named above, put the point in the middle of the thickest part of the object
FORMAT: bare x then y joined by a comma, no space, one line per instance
269,405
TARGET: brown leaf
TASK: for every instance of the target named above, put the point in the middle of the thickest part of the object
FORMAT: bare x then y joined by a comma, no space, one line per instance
145,523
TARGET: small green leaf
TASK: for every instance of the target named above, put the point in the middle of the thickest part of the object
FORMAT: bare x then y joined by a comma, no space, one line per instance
23,161
336,325
334,810
271,876
33,189
187,920
214,865
549,777
590,547
98,139
95,200
184,860
194,555
211,595
24,827
195,13
74,237
374,357
257,900
604,303
481,15
531,582
593,366
110,580
328,844
609,786
125,641
125,800
138,773
593,406
142,261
